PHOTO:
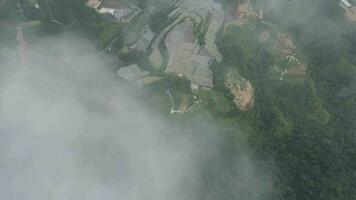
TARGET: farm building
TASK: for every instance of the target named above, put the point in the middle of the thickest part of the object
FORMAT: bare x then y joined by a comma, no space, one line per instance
119,11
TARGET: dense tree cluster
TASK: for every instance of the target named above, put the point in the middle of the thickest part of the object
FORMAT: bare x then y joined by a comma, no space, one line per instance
301,130
307,129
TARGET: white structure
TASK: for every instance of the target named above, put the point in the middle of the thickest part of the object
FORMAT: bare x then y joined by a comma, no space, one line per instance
122,12
346,3
119,11
133,74
107,10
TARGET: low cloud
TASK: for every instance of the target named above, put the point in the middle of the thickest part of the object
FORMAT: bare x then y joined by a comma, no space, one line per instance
69,129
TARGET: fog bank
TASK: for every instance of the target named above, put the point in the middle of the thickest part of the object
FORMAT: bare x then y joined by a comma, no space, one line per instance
69,129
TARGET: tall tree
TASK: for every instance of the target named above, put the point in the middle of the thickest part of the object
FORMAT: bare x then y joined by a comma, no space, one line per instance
5,7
